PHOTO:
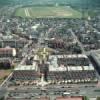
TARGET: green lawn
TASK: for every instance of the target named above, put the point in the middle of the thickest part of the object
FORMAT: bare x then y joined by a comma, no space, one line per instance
45,12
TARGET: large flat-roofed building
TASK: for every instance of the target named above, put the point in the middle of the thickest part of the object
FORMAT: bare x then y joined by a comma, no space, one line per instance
71,69
26,72
70,63
7,52
14,43
69,98
59,70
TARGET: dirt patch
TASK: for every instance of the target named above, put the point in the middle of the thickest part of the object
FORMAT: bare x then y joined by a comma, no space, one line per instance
4,74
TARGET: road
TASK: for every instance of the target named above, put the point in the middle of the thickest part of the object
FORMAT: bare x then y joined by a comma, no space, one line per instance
77,40
53,91
3,91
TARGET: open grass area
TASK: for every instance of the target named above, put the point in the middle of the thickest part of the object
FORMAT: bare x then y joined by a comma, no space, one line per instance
4,74
48,12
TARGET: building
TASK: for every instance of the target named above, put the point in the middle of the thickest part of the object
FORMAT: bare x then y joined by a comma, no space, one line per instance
66,69
69,98
14,43
7,52
26,73
44,98
71,69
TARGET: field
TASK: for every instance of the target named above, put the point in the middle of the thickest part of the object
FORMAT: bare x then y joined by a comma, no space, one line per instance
4,74
48,12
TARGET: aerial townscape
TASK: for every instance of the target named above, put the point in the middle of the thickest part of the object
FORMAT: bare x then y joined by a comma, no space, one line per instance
49,50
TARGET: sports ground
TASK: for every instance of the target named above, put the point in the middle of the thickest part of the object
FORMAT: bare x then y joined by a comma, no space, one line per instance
48,12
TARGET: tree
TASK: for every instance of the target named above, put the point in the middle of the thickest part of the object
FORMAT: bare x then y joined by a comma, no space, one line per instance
2,98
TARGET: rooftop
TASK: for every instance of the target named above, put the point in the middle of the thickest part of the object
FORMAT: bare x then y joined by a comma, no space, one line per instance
69,98
58,63
69,56
27,67
43,98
